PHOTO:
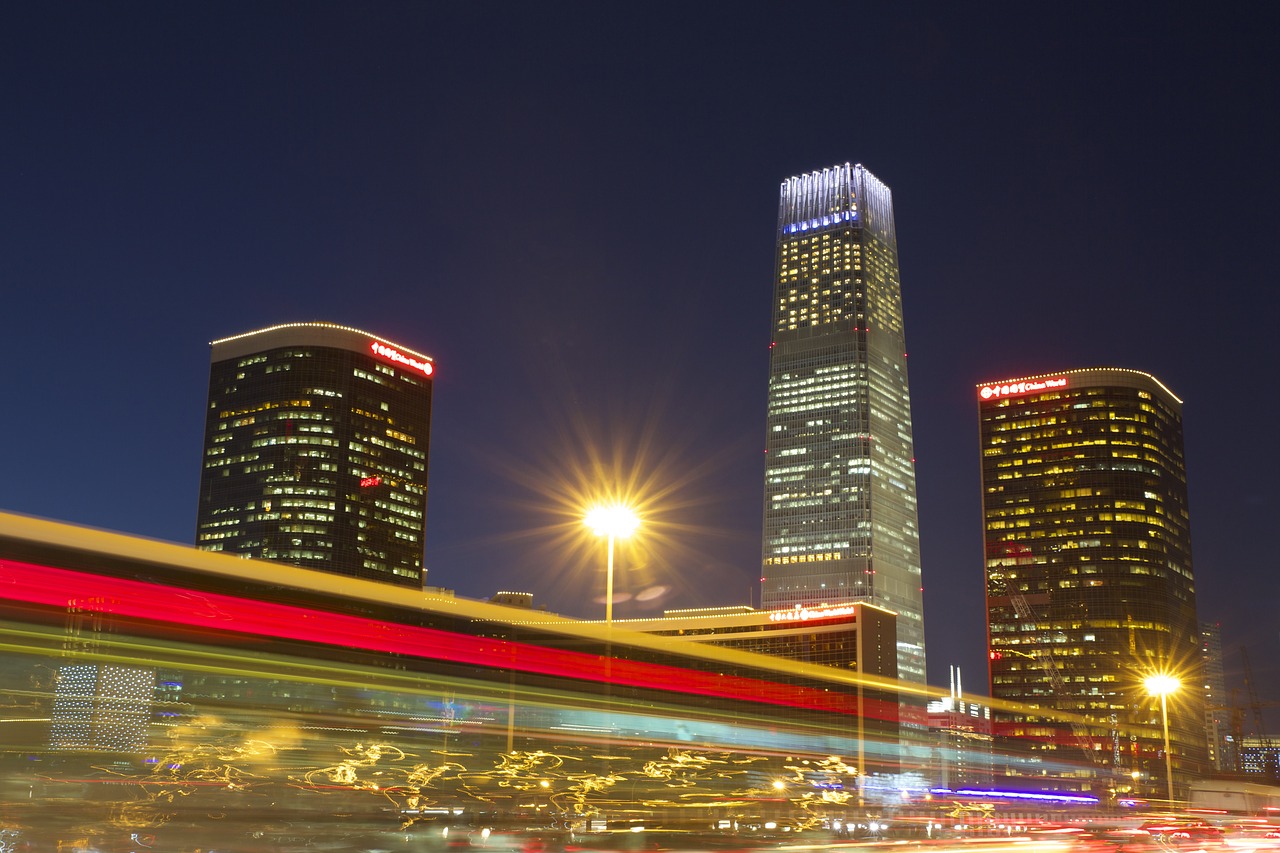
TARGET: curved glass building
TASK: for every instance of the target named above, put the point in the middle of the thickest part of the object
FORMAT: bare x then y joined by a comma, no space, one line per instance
315,451
1089,586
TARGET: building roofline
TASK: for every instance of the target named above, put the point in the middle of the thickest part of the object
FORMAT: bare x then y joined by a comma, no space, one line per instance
319,324
1050,375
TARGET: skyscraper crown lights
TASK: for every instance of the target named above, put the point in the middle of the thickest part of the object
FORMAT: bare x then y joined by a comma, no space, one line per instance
829,196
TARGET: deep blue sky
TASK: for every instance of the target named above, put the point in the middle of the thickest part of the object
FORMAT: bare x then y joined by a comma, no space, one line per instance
572,208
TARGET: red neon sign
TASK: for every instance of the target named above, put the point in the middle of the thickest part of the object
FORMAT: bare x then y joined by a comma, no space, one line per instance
393,354
804,614
368,482
1026,386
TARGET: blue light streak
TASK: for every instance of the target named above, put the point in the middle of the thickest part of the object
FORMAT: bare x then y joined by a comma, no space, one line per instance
1017,795
821,222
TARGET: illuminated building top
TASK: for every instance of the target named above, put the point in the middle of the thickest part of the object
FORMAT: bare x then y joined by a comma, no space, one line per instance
319,333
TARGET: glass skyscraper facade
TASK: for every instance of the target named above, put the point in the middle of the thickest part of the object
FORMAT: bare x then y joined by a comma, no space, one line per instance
315,451
840,493
1088,569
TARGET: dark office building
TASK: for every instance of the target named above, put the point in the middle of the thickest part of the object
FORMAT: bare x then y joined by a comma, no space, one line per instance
315,451
1088,571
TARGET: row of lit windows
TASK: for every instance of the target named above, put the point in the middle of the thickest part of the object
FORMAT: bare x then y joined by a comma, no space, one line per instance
400,508
231,413
1101,512
1074,625
811,385
292,500
803,558
396,520
271,441
1029,529
1008,472
302,528
387,468
301,516
361,374
390,445
405,500
271,554
228,460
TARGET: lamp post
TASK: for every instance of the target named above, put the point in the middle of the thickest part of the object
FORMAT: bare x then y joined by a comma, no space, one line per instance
614,521
1162,685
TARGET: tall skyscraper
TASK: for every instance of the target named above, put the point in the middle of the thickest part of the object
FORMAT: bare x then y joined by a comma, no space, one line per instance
840,488
315,451
1088,568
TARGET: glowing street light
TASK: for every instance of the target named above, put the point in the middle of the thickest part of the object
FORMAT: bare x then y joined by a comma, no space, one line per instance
614,521
1162,685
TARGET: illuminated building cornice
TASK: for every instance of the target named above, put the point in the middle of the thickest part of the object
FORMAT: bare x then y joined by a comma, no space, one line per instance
1046,381
309,328
839,195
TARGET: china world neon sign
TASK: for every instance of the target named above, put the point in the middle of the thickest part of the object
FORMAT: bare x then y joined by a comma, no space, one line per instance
393,354
803,614
988,392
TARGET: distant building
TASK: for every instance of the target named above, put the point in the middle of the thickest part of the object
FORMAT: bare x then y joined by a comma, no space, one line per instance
857,638
965,737
513,599
1088,570
101,707
1217,713
1260,756
840,492
97,705
315,451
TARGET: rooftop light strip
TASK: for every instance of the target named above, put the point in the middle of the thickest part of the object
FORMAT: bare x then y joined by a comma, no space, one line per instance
319,325
1056,374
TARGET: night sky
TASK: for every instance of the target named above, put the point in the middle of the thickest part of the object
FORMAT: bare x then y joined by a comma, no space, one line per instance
572,208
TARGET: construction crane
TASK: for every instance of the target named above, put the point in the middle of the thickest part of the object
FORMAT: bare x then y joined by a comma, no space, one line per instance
1269,756
1019,554
1045,656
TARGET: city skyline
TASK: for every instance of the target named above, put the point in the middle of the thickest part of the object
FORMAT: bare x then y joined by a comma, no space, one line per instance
570,212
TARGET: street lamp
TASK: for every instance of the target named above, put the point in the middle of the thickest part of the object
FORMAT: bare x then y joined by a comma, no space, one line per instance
1162,685
614,521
